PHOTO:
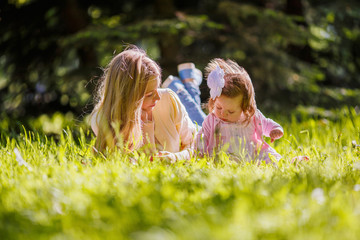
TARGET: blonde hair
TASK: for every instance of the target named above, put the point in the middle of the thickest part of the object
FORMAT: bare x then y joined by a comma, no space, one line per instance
237,82
120,97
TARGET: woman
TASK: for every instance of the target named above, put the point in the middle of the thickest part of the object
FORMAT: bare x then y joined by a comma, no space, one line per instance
131,111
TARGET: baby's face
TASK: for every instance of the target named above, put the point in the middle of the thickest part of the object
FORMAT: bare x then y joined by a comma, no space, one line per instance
228,109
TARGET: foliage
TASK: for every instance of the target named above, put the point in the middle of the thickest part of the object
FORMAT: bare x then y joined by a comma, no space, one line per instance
56,187
52,51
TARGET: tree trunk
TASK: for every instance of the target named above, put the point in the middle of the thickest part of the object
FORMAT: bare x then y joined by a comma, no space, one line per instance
168,43
76,19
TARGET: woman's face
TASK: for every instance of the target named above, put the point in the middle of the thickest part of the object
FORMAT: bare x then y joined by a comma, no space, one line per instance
151,95
228,109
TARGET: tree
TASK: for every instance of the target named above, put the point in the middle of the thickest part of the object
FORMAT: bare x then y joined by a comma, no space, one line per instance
50,50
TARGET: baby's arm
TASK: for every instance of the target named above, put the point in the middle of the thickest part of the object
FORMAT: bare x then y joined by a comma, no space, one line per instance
270,128
202,139
200,142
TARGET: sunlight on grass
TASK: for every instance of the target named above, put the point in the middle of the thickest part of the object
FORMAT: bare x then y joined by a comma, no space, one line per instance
56,188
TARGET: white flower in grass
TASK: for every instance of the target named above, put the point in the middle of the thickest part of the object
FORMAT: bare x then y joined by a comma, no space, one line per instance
318,195
356,166
357,187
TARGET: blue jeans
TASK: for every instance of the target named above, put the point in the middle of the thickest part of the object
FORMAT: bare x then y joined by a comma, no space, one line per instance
189,94
194,91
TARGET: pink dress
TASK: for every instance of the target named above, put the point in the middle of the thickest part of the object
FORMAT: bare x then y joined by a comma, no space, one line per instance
245,142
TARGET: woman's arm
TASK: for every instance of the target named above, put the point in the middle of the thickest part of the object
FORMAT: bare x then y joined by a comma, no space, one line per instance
184,125
173,157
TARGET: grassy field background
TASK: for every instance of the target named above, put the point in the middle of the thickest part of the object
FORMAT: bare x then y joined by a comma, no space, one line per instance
53,187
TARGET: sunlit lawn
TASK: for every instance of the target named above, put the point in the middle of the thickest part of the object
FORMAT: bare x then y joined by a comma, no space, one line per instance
56,188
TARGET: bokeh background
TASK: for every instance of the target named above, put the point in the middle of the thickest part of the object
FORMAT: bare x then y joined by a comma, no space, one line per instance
302,55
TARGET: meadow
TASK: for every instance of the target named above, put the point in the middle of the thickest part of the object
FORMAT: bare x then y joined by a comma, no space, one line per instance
52,186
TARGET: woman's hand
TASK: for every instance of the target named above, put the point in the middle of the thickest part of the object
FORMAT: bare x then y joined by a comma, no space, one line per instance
146,116
276,134
166,156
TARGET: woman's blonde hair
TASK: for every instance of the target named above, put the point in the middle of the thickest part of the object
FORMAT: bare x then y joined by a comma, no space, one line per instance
120,96
237,82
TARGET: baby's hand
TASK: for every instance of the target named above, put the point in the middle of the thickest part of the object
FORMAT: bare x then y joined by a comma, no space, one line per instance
276,134
166,156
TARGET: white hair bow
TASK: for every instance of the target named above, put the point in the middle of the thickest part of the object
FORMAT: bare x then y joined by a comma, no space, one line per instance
216,82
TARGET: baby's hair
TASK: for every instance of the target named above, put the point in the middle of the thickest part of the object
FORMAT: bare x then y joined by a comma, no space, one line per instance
120,96
237,82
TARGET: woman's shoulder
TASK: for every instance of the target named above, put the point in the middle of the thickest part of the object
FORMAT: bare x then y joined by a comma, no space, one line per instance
168,103
167,93
168,96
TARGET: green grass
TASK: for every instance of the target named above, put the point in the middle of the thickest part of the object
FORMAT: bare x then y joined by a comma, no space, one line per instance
63,191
